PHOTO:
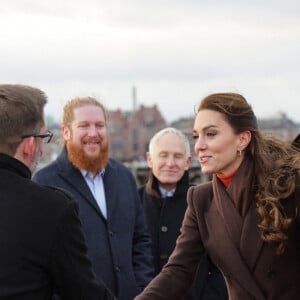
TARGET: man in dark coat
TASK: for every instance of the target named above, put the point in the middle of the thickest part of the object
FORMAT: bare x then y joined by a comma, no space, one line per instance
110,209
42,245
164,202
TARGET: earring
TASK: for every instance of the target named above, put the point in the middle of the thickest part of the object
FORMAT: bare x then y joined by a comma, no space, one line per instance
239,152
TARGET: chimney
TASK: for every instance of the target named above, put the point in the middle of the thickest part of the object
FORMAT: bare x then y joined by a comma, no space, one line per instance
134,98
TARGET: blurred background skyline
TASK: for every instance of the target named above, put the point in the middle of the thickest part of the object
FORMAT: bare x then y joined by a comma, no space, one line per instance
174,52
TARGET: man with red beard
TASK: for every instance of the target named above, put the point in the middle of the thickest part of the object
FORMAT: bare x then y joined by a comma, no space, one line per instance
110,210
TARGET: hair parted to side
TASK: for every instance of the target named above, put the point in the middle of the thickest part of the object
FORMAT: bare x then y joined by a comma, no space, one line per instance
164,131
276,165
68,111
21,113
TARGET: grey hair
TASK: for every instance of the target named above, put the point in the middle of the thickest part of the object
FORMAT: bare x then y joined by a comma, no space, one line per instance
164,131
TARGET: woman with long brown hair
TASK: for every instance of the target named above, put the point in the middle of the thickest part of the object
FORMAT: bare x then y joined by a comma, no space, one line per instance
247,217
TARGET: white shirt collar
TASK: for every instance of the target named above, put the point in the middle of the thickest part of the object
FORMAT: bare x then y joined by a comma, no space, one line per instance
86,173
164,193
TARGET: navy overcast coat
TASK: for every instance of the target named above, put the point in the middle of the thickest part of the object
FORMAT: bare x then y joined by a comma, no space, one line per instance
120,247
164,218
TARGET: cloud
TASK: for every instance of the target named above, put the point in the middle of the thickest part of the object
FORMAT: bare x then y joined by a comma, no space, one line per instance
173,51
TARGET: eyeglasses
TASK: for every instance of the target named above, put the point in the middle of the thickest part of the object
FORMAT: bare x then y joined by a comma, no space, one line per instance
47,136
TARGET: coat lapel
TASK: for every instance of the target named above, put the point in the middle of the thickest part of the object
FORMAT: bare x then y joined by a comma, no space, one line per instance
232,221
75,179
251,237
241,230
110,188
227,255
228,212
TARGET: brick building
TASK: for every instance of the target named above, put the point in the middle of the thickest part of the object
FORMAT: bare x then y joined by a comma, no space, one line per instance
130,132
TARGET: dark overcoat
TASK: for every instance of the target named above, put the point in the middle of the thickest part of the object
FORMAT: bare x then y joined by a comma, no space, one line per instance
120,247
42,246
251,267
164,217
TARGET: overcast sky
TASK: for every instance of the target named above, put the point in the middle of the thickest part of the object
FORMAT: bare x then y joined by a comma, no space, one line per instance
174,51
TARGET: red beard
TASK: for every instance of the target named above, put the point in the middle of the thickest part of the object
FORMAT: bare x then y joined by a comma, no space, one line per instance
81,160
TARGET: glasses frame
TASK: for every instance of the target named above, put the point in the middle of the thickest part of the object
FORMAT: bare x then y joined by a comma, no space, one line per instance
48,135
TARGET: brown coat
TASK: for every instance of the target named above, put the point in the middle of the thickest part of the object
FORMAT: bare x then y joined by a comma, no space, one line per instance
250,266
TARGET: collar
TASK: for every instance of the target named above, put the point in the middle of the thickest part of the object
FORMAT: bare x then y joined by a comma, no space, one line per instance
12,164
152,185
164,193
86,173
241,190
226,179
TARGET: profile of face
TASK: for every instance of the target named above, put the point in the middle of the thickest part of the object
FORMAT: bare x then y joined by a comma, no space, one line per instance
87,138
216,144
168,161
37,150
36,156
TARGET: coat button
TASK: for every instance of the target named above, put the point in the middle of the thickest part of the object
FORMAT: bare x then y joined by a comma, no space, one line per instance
117,269
271,274
111,233
163,256
164,228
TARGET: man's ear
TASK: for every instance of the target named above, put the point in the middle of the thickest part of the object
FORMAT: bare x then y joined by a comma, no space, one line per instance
188,162
149,159
66,132
25,150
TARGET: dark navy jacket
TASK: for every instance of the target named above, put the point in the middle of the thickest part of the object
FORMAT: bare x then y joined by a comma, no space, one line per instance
164,218
120,247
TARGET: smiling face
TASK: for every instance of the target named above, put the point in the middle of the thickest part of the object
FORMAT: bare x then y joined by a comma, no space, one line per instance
216,144
87,139
168,160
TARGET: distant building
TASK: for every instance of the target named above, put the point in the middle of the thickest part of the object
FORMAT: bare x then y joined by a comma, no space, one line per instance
280,126
118,127
186,126
130,132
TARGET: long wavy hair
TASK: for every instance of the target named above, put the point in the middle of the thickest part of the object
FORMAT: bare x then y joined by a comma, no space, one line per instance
276,165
